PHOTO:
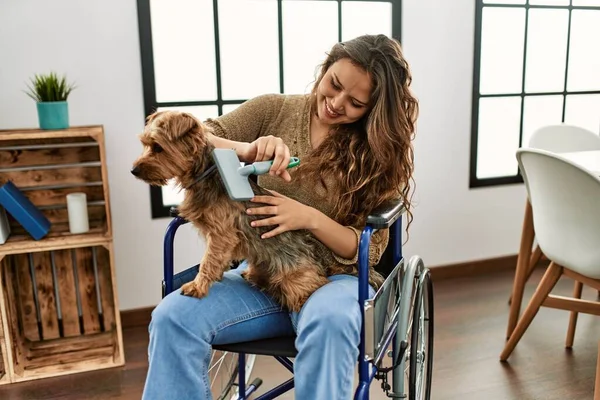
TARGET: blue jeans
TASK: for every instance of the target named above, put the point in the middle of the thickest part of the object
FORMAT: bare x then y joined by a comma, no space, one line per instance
183,328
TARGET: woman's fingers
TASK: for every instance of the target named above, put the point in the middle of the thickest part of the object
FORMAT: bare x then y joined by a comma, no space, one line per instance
286,176
280,229
282,159
261,146
269,150
286,160
277,194
273,148
266,147
266,200
267,210
266,222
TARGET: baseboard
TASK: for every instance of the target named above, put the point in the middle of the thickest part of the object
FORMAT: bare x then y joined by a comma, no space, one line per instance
141,316
471,268
136,317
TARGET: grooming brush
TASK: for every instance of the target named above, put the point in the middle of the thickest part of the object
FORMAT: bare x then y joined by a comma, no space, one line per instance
235,176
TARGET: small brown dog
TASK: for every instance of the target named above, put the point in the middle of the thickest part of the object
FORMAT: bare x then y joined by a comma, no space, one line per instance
176,147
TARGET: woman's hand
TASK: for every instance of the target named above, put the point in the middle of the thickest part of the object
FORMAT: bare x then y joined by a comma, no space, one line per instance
270,148
286,213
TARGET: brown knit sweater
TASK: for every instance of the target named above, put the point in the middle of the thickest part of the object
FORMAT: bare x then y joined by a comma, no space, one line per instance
288,117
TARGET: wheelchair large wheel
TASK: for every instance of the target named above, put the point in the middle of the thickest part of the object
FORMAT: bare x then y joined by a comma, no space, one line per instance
223,373
420,358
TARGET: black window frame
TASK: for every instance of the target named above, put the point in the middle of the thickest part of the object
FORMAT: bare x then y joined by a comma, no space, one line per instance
474,181
158,209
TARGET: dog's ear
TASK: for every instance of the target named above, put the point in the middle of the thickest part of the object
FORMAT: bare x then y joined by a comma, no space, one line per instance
181,125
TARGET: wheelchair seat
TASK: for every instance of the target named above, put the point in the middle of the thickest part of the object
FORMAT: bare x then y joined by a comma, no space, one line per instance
278,346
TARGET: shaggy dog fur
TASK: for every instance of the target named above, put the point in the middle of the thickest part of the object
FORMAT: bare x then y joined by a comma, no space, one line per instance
176,147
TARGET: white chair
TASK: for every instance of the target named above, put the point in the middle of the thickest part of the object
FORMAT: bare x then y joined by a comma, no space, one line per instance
563,138
565,201
559,138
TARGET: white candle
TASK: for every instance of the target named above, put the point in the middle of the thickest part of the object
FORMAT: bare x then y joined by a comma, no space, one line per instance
4,226
78,214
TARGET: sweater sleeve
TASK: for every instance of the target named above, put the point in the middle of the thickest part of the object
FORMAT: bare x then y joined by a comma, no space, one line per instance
249,120
378,244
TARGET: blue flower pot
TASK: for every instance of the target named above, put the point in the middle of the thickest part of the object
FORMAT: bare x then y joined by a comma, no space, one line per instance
53,114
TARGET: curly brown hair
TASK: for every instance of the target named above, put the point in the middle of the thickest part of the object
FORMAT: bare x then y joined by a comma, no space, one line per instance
370,160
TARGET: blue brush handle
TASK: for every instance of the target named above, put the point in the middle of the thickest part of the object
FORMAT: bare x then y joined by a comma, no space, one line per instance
263,167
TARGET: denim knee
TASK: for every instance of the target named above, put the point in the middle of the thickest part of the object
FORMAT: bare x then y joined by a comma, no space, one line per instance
165,314
171,317
332,315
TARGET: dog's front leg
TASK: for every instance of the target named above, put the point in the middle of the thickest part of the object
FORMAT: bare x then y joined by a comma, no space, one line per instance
215,262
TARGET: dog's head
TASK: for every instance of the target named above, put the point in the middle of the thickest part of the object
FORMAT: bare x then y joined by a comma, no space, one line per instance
173,144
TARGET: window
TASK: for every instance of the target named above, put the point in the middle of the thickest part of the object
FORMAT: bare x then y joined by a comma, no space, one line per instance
536,63
209,56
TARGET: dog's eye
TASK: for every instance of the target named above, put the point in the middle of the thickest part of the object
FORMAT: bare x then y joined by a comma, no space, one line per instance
156,148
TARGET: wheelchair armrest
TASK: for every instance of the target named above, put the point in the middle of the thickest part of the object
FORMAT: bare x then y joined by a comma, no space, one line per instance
380,218
385,215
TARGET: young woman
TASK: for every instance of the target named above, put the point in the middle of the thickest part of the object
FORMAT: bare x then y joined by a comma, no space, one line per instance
353,134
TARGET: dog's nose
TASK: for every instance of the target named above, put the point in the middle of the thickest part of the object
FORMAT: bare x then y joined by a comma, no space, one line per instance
135,170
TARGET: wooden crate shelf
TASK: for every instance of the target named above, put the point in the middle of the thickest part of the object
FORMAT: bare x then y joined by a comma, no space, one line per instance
58,301
19,244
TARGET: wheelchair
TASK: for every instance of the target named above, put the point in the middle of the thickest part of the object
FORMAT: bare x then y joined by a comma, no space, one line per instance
396,333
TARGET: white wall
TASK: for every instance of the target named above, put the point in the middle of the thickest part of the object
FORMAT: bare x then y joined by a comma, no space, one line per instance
96,44
452,223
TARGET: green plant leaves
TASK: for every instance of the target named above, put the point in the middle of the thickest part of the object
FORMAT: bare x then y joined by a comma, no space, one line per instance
49,87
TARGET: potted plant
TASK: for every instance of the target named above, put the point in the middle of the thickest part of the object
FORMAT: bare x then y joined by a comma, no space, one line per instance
50,93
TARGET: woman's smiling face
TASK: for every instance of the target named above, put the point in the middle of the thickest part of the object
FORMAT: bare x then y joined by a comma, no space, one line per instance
343,94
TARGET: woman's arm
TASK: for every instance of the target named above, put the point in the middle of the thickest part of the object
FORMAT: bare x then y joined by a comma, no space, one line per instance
338,238
245,124
241,148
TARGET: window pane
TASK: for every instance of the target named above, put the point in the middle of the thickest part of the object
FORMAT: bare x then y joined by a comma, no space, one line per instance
504,1
588,3
549,2
200,112
540,111
249,47
366,17
546,50
305,49
184,50
498,136
172,194
502,50
584,57
583,110
229,108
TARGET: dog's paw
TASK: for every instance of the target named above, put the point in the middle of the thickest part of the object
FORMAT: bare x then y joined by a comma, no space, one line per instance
194,289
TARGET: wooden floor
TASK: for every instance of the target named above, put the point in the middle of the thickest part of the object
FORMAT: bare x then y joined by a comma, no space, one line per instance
470,318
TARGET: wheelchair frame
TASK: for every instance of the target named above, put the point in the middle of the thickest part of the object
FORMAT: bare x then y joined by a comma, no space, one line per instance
414,278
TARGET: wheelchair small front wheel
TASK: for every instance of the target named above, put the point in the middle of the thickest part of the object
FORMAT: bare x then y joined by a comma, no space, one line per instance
421,340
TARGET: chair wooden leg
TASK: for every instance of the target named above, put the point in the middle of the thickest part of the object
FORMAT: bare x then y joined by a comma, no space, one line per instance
577,288
533,261
597,383
550,278
523,259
